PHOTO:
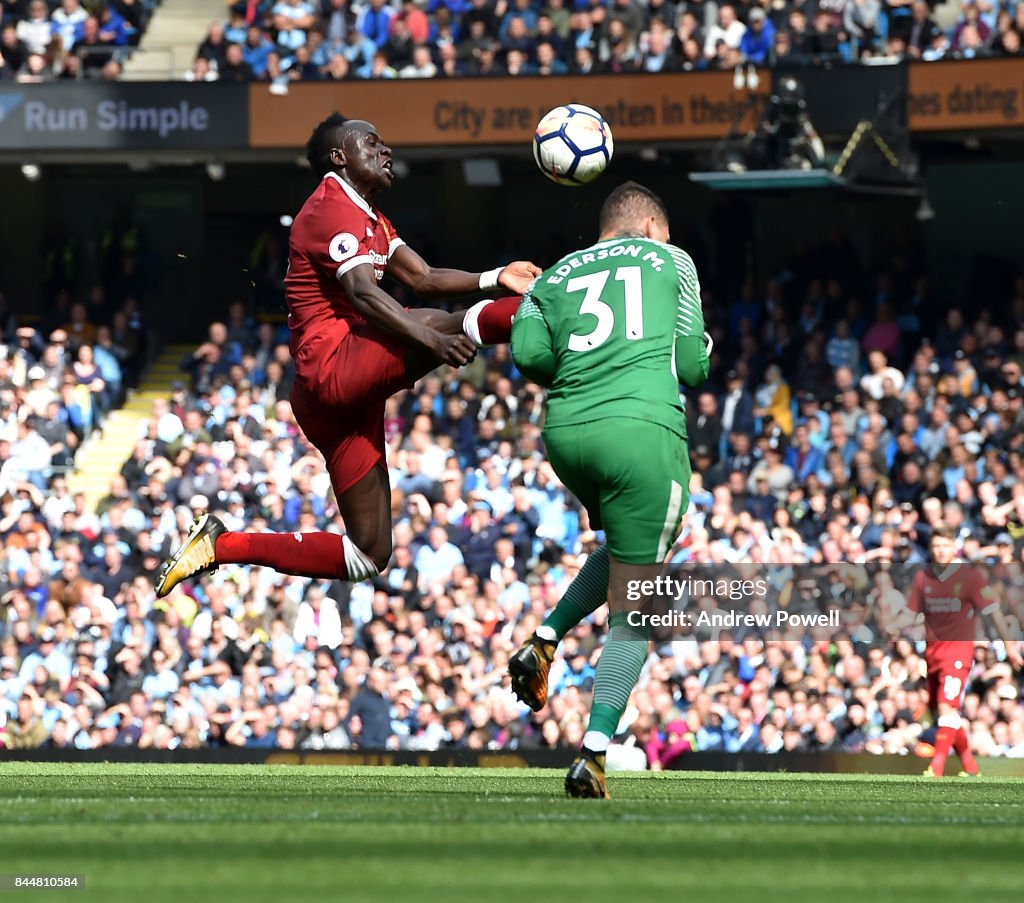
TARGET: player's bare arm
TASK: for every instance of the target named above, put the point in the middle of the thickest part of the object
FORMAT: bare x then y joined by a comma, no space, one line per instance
908,619
426,281
905,622
1013,656
379,308
364,160
987,601
356,153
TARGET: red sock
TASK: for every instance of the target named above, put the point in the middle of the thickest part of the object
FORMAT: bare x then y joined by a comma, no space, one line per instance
317,555
943,741
962,745
490,322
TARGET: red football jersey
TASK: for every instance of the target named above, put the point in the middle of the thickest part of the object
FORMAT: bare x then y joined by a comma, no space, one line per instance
950,600
335,231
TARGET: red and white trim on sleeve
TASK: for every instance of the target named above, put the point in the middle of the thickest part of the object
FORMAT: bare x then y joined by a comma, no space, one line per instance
352,263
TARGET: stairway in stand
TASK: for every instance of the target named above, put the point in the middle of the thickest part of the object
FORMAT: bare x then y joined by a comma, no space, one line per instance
101,456
168,48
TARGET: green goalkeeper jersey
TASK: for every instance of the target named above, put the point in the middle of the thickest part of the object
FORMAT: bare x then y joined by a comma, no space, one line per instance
612,330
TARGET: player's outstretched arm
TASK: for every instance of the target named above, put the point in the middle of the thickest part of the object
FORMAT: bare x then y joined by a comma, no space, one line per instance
984,597
908,619
416,274
1010,642
379,308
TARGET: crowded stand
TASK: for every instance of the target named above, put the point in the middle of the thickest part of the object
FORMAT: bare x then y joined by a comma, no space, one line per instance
337,40
59,378
44,41
847,414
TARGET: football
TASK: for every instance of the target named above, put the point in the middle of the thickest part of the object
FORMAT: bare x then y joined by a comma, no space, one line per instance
573,144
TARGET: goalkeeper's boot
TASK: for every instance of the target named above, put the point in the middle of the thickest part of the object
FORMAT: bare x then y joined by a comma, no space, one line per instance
198,554
586,776
529,668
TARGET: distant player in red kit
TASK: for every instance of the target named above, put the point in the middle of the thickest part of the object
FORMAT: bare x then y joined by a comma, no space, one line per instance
353,347
950,596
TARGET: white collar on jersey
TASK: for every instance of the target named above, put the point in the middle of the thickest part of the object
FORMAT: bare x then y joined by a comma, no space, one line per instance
354,195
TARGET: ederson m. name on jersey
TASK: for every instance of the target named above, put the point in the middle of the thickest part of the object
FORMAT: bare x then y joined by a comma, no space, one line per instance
604,251
612,330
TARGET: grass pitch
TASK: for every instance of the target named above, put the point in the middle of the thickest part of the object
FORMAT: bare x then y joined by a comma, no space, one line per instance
194,833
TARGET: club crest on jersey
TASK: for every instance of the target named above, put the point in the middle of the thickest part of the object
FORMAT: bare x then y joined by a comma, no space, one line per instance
343,246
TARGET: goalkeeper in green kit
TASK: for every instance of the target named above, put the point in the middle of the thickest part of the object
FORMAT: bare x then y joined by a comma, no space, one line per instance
611,331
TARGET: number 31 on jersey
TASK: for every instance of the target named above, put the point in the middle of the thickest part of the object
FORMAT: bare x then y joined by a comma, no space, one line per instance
592,284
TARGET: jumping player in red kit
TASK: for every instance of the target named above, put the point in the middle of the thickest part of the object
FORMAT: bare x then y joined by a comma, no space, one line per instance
949,596
353,347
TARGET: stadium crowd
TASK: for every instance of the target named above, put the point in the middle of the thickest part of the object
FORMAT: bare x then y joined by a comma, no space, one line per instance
42,40
279,41
847,413
58,379
335,40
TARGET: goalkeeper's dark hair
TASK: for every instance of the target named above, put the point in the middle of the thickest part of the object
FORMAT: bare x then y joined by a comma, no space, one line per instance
628,203
318,148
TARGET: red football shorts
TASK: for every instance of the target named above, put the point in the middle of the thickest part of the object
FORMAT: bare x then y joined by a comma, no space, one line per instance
338,398
947,676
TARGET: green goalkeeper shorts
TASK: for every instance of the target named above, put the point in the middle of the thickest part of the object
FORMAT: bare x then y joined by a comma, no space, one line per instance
633,476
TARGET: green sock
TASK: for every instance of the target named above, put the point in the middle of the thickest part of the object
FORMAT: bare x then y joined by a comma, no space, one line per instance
587,593
618,669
